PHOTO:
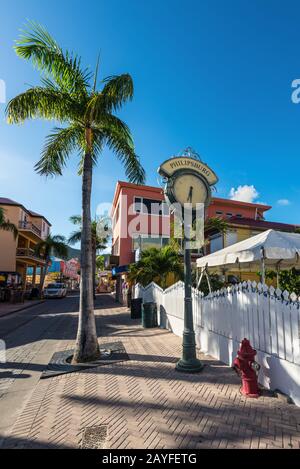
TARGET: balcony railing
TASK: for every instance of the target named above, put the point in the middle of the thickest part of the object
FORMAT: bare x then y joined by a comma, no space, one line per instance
27,252
28,225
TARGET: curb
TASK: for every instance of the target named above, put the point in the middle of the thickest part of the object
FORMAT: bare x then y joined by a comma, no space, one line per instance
21,308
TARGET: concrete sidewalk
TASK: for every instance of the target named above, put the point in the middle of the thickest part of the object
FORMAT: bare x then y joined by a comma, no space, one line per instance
145,403
9,308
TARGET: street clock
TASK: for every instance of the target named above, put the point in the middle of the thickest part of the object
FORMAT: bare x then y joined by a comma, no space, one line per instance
187,181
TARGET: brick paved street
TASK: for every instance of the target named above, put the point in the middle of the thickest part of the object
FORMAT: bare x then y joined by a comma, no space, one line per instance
143,402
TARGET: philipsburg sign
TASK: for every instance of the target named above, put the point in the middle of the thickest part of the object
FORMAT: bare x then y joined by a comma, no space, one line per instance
169,167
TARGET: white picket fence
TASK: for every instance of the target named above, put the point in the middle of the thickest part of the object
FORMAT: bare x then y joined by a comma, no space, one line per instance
266,316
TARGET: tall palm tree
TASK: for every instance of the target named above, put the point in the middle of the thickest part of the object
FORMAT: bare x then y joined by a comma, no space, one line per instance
52,245
5,225
69,94
98,243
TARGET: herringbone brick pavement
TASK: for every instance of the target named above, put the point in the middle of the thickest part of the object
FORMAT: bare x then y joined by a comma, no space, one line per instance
145,403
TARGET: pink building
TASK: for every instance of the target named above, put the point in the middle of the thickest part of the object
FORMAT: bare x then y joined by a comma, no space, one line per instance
140,218
138,211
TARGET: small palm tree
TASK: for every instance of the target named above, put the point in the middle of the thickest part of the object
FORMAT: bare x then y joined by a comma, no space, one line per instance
156,265
52,245
98,243
216,223
69,94
5,225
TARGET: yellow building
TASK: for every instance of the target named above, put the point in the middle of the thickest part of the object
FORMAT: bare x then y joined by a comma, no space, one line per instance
244,220
18,254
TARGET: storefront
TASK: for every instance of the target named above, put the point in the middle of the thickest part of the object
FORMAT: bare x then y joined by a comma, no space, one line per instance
10,283
120,275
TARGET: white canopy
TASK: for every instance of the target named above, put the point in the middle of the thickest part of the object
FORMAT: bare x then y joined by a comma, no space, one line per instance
275,248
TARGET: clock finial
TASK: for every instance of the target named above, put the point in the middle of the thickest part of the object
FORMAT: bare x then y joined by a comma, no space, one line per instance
191,153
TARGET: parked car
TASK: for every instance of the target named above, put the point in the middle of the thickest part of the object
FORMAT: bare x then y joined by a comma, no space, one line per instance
55,290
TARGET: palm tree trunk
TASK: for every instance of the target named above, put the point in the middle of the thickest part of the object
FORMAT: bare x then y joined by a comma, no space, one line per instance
94,271
87,347
43,277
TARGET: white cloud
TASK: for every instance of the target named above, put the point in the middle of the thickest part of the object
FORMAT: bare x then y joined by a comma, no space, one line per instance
244,193
283,202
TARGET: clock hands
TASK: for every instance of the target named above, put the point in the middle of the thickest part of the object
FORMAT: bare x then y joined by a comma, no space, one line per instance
190,196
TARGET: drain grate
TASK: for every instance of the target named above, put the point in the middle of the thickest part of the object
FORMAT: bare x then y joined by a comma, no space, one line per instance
94,437
60,363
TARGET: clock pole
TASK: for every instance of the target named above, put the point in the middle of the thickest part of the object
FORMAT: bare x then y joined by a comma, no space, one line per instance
189,361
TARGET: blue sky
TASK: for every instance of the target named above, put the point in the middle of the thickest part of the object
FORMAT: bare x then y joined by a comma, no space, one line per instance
212,74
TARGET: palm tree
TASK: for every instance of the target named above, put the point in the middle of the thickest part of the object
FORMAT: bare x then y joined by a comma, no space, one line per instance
100,262
217,224
52,245
156,265
98,243
69,94
5,225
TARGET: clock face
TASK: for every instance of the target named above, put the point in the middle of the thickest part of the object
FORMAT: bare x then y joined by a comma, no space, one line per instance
189,188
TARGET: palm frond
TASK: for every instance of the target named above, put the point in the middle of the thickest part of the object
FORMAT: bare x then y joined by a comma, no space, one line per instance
1,215
57,149
120,142
217,224
117,90
53,244
96,73
75,237
37,45
7,226
44,102
131,162
76,219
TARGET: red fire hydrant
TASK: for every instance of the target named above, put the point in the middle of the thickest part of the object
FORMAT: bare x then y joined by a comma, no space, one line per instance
247,368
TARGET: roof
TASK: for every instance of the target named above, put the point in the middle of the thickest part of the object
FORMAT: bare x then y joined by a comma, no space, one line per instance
6,201
215,200
262,224
239,203
274,246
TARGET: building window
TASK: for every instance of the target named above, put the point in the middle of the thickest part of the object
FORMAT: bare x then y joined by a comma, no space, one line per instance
151,206
218,212
145,242
116,216
228,214
230,237
115,248
216,242
239,215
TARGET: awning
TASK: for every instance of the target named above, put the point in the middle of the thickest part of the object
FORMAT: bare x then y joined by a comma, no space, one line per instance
276,248
121,269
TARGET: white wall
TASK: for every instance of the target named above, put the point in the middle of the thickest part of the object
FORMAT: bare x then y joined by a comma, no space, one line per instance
269,318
